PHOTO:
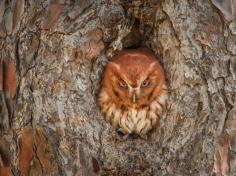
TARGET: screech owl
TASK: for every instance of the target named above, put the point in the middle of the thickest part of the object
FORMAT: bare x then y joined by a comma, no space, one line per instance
133,92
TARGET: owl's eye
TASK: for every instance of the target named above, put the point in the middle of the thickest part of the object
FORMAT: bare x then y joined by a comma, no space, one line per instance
145,83
122,83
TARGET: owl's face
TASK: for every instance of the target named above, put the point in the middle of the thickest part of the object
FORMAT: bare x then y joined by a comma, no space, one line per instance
133,92
133,79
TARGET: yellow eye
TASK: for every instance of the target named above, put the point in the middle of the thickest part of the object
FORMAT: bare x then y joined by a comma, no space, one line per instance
145,83
123,84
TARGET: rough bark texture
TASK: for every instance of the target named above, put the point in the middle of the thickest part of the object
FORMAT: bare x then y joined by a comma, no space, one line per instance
53,54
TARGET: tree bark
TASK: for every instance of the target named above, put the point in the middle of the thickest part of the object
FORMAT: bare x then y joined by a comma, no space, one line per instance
52,57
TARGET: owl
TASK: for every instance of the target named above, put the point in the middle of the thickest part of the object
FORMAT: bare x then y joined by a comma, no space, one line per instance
133,92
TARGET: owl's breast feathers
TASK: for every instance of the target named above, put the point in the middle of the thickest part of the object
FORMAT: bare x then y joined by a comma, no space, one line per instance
132,119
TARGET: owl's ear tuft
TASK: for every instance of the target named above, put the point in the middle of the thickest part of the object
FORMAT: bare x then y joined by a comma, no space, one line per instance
114,66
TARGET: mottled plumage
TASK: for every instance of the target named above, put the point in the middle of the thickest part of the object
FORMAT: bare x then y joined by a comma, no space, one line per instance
133,92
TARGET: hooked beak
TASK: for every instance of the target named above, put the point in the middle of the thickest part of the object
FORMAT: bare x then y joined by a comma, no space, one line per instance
133,94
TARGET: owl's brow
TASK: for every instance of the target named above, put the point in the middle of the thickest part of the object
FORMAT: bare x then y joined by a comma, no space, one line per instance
150,75
124,78
148,69
119,76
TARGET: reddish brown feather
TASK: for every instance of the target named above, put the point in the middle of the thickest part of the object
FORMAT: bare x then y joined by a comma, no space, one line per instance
133,66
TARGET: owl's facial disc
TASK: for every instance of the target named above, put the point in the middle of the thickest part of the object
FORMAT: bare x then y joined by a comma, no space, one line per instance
133,86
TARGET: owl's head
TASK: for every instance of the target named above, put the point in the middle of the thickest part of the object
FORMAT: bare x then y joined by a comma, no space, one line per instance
133,78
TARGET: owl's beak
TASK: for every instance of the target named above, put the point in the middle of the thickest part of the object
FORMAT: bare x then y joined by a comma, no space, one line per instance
133,93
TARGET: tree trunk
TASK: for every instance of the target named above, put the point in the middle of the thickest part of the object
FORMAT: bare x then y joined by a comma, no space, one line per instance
53,54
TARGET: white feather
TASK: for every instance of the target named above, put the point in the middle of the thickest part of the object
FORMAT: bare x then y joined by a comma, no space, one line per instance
133,114
110,112
164,86
153,116
123,125
139,121
147,127
156,106
104,97
117,116
140,125
163,98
